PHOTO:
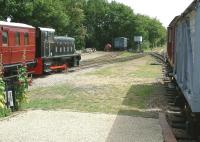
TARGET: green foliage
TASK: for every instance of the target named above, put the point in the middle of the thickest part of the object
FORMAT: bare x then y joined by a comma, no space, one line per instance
105,21
2,89
19,10
93,23
145,45
3,110
75,28
50,13
22,86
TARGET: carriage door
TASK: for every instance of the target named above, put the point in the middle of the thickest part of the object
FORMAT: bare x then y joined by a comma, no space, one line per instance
6,49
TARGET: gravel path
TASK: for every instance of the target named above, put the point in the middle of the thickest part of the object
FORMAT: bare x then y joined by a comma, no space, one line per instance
78,78
59,78
63,126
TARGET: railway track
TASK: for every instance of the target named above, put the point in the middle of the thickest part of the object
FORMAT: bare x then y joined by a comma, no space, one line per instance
110,58
175,130
106,59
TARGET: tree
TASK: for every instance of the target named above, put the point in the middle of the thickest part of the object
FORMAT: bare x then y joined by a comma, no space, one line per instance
96,12
156,33
50,13
91,22
18,10
76,28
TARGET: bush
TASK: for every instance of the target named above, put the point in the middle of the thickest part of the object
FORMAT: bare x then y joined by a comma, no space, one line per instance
4,112
145,45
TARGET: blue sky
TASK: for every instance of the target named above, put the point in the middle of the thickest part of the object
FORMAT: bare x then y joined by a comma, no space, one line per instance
163,10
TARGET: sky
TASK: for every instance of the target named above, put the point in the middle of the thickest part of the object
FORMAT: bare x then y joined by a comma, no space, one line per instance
163,10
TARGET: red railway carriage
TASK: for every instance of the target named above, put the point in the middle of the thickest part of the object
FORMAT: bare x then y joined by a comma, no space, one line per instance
171,40
17,43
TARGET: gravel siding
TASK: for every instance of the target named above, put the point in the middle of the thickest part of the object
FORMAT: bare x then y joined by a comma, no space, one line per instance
63,126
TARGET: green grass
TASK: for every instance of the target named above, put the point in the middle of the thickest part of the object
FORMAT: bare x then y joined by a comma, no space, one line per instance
138,95
105,72
99,97
113,99
155,49
4,112
126,54
146,70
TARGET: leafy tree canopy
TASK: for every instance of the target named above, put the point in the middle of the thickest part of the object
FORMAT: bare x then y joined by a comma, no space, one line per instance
93,23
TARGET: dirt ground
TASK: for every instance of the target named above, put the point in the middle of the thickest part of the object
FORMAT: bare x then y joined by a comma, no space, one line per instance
87,77
101,80
92,105
88,56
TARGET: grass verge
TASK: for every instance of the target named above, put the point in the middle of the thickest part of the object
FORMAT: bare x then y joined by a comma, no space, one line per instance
107,99
122,98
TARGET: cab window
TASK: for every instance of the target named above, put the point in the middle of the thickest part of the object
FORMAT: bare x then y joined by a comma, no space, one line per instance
5,38
46,36
50,36
17,38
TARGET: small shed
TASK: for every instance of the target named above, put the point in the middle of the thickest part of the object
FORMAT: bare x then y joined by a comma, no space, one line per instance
120,43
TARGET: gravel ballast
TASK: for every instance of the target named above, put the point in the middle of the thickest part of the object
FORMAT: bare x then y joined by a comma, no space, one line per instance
64,126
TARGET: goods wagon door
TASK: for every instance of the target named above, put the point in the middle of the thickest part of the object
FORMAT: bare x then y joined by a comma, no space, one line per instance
5,48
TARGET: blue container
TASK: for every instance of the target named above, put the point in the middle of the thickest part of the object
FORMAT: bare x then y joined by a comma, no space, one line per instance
120,43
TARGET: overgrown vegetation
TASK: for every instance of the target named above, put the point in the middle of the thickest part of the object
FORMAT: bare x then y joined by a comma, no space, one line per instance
2,99
20,92
3,110
21,87
93,23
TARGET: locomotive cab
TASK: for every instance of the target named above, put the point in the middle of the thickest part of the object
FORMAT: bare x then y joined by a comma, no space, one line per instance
45,42
44,49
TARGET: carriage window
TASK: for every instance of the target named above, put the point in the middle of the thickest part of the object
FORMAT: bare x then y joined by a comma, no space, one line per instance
5,38
17,38
26,38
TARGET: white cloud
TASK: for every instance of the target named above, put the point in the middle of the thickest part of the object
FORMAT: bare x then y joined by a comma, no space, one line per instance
163,10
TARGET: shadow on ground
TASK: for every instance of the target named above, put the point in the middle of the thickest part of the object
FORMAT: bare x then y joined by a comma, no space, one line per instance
132,125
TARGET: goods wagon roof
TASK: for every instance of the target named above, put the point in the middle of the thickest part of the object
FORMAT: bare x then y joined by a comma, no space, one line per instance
174,21
13,24
190,8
